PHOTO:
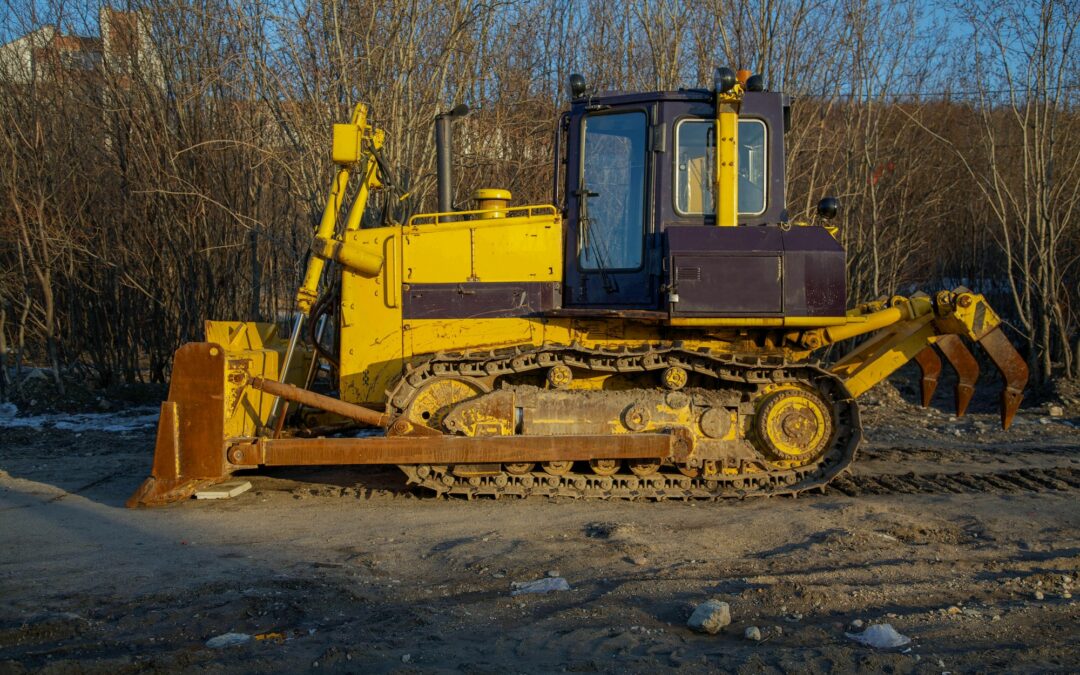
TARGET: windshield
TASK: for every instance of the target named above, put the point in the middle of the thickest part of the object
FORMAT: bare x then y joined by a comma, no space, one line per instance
694,167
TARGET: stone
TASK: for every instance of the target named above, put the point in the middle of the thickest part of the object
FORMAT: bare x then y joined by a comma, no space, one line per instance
752,633
857,624
226,490
553,573
639,560
1039,595
710,616
1056,411
953,610
405,658
1067,595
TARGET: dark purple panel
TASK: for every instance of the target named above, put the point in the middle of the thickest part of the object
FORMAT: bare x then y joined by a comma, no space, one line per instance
728,284
711,239
479,300
755,271
814,273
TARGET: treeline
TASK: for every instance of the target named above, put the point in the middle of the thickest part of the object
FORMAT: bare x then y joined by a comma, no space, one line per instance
172,167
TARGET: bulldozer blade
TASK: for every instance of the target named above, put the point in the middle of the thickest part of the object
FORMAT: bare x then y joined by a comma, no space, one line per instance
1013,370
190,448
930,366
966,367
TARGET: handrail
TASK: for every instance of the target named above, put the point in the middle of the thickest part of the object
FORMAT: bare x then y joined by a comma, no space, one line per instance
530,211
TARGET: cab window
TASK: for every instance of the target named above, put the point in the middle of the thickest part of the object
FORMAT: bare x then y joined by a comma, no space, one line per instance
694,167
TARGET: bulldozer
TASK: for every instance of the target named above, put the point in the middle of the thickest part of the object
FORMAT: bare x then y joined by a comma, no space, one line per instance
655,332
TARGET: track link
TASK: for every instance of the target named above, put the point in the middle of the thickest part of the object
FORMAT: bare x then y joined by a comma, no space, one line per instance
719,370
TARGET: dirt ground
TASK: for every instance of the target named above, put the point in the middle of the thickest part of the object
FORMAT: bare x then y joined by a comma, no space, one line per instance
962,537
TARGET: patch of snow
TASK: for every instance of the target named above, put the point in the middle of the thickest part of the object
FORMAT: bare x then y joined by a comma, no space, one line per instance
880,636
127,421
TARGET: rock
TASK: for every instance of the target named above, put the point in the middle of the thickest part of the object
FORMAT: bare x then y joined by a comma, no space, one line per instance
752,633
553,573
857,624
228,640
996,617
639,560
880,636
1056,411
1039,595
1067,595
405,658
953,610
710,616
1066,579
546,585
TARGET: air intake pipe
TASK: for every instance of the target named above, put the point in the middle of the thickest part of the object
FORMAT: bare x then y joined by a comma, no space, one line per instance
444,146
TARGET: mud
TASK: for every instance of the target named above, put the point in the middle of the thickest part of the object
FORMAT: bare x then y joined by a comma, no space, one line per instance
340,570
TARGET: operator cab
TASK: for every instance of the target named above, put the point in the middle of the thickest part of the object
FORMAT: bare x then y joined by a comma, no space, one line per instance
635,178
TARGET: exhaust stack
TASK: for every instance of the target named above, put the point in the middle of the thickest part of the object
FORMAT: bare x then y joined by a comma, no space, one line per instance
444,146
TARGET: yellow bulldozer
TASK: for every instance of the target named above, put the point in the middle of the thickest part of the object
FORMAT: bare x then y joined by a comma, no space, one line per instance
649,334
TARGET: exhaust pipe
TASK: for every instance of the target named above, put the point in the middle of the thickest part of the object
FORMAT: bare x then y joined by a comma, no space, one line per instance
444,145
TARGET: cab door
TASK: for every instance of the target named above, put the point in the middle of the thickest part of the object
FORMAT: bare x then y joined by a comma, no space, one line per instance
611,258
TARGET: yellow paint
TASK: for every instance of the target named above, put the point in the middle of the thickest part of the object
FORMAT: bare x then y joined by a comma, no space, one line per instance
767,322
726,170
252,349
364,260
492,201
773,423
881,355
512,248
353,143
372,342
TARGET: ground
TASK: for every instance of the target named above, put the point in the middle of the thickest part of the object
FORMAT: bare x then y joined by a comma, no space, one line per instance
962,537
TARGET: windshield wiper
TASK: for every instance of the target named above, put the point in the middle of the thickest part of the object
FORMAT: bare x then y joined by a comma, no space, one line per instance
586,240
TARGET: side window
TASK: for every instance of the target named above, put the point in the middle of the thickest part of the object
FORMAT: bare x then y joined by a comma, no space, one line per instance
751,167
694,167
613,192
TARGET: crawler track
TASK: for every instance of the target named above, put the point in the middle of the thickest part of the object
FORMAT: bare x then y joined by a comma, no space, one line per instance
727,371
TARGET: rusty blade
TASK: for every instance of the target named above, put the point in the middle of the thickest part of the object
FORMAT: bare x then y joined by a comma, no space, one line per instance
1013,370
966,367
930,366
190,447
